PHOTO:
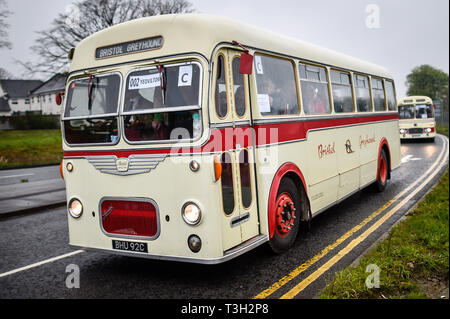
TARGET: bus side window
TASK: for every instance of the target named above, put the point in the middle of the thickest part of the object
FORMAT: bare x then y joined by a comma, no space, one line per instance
221,91
362,93
342,91
275,80
227,184
378,95
244,171
390,95
314,86
238,88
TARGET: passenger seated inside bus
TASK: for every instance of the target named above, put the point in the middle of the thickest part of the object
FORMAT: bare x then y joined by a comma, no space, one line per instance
276,103
313,98
137,102
163,123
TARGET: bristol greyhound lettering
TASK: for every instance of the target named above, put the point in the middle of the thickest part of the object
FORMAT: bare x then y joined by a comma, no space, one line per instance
129,47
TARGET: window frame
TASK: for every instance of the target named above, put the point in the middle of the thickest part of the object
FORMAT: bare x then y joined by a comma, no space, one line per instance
297,86
395,95
328,83
383,89
250,172
369,88
225,60
245,87
83,76
163,109
352,89
233,180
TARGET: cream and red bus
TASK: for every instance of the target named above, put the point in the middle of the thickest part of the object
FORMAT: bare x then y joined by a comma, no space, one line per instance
416,118
197,138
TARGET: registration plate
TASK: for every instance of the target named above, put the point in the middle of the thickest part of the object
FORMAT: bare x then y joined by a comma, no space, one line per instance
129,246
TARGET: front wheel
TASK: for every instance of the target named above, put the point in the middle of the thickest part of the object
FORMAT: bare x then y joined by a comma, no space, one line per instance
382,177
287,216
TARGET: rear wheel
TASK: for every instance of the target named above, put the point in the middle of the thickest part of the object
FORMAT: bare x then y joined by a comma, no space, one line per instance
287,216
382,177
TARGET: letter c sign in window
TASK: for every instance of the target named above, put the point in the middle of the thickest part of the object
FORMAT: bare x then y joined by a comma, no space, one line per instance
185,75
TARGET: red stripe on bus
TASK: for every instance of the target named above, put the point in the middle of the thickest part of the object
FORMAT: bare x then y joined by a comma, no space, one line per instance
228,138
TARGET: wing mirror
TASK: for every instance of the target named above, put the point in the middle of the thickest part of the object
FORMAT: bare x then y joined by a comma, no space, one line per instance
246,61
59,98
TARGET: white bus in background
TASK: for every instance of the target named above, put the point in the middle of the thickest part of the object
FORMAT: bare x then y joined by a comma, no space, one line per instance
416,118
197,138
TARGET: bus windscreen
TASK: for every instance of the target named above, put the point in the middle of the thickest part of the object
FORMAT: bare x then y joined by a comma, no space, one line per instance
424,111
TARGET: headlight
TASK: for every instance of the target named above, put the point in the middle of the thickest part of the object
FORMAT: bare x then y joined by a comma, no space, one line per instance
402,131
428,130
191,213
75,208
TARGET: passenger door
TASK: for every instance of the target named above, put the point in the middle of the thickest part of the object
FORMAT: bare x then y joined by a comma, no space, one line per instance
240,220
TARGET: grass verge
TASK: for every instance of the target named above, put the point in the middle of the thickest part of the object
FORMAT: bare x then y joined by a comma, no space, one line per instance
29,147
442,129
413,260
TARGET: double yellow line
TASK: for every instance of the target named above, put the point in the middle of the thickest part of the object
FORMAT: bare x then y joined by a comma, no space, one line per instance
343,252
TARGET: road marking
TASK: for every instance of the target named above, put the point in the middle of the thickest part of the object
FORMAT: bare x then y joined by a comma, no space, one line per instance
50,260
408,158
21,175
326,250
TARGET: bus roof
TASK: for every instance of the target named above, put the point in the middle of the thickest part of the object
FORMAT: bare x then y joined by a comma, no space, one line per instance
201,33
415,99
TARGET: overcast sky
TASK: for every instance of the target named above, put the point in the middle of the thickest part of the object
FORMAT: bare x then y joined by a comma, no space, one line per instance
396,34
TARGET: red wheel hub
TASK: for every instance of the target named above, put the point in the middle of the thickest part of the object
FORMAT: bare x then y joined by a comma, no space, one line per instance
285,214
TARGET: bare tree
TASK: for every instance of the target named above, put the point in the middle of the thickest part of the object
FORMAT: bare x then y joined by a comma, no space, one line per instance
5,75
4,14
85,18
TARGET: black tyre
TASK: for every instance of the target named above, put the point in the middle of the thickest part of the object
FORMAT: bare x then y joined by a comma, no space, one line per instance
383,169
287,216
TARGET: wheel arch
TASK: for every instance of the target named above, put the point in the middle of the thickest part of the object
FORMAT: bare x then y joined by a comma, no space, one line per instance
287,170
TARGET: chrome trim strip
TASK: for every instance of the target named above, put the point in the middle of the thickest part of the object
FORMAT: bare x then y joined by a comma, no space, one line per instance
99,75
130,199
334,116
137,164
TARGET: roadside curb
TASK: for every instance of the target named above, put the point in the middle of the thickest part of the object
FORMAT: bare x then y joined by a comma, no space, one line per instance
28,166
31,210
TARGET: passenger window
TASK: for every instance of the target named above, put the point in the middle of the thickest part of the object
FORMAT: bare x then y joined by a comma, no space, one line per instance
244,171
238,87
221,91
277,91
342,91
314,86
390,95
227,184
378,95
362,93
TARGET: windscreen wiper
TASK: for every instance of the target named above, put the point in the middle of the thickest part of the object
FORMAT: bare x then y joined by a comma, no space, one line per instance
90,90
162,81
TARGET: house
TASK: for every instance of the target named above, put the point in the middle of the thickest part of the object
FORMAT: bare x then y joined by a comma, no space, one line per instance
4,107
43,97
17,94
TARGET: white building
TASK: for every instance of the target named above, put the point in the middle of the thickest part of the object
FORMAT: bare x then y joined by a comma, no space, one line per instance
43,98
